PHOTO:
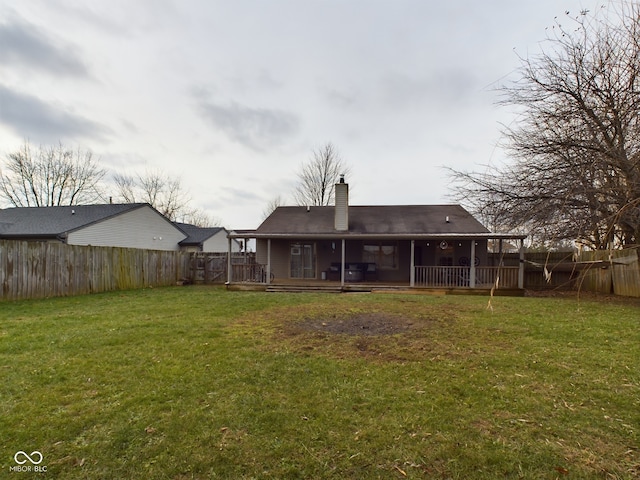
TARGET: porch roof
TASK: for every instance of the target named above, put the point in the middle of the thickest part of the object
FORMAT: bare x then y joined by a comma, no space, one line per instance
356,236
374,222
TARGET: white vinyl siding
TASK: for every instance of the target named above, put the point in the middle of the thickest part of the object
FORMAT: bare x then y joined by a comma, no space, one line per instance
220,243
139,228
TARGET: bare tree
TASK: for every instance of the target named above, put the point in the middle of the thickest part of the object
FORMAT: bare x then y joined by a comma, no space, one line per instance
161,191
575,146
165,194
126,187
317,177
271,206
199,218
50,176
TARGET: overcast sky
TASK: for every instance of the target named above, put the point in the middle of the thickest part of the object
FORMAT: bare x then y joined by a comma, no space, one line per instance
232,96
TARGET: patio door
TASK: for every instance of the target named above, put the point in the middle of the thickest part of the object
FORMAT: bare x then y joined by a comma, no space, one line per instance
303,260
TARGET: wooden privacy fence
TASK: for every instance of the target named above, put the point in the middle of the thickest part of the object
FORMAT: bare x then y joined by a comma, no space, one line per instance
616,271
563,274
39,269
210,267
601,271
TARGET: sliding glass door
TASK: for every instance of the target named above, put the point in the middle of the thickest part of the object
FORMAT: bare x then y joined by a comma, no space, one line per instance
303,260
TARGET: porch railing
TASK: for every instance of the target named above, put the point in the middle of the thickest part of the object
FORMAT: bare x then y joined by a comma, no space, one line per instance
486,277
442,276
250,272
454,277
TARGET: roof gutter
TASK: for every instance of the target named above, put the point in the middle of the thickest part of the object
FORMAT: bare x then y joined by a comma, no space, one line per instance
381,236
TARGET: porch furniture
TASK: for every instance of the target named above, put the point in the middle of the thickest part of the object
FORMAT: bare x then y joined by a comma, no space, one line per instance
354,272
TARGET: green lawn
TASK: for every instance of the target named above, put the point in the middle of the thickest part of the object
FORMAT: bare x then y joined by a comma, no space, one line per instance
198,382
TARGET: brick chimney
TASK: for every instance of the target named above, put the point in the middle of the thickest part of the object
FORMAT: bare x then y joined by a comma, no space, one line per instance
342,205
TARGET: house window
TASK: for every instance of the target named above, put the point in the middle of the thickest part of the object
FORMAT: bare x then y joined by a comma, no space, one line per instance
384,255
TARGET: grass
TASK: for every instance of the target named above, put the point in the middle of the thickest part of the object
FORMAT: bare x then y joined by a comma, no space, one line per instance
198,382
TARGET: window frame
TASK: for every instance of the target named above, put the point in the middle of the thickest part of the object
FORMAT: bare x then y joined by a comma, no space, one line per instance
379,257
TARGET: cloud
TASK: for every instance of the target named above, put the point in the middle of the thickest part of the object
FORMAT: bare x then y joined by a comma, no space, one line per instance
450,87
256,128
30,117
24,44
394,92
345,97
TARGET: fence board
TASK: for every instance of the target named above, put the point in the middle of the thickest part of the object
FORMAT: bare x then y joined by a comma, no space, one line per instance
211,267
622,277
40,269
534,277
626,273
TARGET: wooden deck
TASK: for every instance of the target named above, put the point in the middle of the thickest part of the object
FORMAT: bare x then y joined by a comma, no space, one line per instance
366,287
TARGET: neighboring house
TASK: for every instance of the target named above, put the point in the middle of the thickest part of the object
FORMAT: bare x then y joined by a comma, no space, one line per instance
132,225
411,245
210,239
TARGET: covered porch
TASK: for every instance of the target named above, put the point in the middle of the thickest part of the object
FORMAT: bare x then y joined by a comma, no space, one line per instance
366,263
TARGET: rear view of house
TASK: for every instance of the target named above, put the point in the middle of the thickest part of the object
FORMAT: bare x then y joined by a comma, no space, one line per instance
412,245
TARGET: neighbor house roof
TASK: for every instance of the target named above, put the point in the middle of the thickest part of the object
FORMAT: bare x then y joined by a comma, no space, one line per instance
399,221
197,235
56,222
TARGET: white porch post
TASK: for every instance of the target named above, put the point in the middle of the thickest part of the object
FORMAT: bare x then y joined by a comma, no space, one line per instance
521,265
412,273
472,265
268,274
229,273
344,256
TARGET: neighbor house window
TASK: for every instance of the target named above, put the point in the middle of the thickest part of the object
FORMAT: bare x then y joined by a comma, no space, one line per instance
384,255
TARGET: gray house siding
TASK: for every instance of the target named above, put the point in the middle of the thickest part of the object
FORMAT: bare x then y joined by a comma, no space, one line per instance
139,228
280,253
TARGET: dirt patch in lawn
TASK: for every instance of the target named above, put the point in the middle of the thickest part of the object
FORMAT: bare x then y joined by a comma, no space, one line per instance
398,332
376,323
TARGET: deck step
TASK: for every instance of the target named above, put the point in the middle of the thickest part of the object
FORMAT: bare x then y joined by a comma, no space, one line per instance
303,288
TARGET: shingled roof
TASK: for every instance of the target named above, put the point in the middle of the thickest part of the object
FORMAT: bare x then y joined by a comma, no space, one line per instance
196,235
388,220
52,222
